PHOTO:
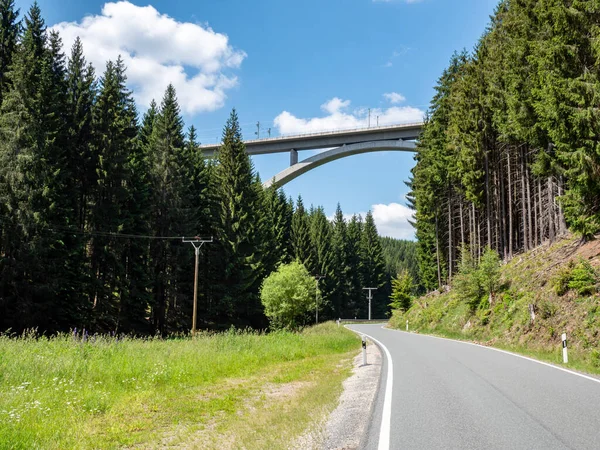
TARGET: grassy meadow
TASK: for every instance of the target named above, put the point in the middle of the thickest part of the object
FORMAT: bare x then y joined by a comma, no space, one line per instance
228,390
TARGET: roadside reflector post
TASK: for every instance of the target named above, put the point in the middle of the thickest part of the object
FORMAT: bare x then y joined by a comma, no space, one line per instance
364,348
564,344
339,321
407,325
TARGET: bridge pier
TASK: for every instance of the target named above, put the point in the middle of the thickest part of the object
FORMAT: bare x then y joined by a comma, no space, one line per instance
293,157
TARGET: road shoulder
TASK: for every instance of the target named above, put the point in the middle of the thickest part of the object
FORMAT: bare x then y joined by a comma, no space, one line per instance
347,424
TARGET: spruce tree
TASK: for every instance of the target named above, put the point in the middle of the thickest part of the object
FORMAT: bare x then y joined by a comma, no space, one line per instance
355,306
171,216
115,132
300,237
9,35
321,233
238,237
373,264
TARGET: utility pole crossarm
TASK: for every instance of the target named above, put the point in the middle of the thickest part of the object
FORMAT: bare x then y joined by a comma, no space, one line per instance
197,244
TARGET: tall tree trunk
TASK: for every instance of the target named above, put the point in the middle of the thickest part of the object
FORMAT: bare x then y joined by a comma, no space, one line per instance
487,200
437,252
525,237
450,243
472,241
462,223
562,224
529,218
540,211
550,212
502,209
510,213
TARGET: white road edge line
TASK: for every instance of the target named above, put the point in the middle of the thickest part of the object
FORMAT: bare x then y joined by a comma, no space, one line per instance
501,351
386,417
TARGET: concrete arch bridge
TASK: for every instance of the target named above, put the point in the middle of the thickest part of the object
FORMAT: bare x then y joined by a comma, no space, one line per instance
341,144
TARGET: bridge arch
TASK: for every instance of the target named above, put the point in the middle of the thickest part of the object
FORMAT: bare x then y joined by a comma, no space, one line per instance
294,171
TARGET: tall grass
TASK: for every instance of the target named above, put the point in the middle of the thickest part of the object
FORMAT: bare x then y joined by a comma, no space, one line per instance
63,392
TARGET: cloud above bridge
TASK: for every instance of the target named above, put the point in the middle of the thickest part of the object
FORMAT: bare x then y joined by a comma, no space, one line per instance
159,50
394,97
340,117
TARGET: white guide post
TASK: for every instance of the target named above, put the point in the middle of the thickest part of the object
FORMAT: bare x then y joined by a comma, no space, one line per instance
564,344
407,325
364,349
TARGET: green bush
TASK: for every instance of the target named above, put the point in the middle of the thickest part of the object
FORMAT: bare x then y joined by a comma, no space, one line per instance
584,279
560,283
595,357
287,295
547,309
476,282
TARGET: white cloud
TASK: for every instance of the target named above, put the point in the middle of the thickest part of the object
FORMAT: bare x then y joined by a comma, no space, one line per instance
394,97
339,118
159,50
392,220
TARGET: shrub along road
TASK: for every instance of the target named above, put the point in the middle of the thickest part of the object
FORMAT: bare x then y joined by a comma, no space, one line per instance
449,394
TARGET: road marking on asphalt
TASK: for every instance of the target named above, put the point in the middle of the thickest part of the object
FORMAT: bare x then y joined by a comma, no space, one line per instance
502,351
386,417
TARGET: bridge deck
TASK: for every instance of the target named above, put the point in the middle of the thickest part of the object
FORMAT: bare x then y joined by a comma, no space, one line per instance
326,139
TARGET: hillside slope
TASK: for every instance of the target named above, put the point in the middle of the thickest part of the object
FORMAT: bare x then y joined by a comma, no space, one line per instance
528,315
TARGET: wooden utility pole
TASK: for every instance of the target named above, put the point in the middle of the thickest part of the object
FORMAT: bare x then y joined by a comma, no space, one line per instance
197,243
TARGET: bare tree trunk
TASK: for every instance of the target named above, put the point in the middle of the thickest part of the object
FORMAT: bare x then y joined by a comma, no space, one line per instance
450,243
496,214
510,213
540,211
479,240
437,252
562,224
503,210
529,221
487,199
472,241
535,219
550,212
524,203
462,224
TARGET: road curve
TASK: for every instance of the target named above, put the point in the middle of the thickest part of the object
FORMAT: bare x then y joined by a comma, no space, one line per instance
451,395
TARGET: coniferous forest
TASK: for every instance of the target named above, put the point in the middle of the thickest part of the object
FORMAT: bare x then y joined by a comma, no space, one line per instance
510,155
95,199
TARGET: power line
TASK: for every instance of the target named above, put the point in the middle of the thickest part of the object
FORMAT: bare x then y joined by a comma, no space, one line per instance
61,230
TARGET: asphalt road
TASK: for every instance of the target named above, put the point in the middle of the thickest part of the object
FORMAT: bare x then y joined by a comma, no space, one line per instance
451,395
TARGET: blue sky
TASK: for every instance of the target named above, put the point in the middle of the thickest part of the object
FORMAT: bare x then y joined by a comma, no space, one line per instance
294,66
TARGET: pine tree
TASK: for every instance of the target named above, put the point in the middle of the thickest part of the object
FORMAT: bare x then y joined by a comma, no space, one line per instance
9,35
402,289
238,228
115,132
342,289
372,264
300,237
172,215
355,306
321,233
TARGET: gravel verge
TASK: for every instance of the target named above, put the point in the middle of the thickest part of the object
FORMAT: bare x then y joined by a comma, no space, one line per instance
347,424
